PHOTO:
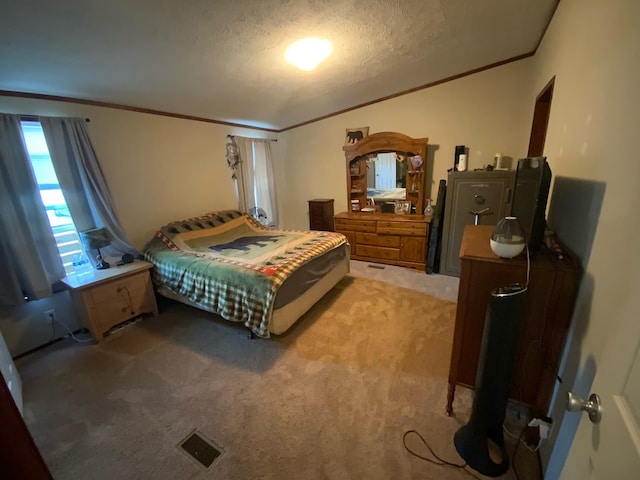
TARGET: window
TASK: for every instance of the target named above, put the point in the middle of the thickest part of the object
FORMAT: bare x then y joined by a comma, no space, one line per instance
260,183
60,220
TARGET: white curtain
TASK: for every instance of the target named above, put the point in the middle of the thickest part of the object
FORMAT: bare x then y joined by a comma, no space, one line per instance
256,189
29,259
82,180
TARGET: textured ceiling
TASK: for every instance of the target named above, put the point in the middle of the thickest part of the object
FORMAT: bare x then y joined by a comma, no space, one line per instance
224,60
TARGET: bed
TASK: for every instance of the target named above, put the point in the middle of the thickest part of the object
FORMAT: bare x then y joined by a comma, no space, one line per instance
382,195
229,264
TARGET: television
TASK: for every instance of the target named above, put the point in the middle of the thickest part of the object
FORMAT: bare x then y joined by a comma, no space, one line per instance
531,191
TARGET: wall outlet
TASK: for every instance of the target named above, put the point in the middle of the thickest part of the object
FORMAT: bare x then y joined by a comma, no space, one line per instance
544,425
50,316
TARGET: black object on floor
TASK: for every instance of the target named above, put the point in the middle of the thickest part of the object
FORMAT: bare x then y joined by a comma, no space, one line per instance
505,315
200,449
435,231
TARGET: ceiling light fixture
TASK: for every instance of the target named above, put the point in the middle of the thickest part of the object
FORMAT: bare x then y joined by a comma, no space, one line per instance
307,53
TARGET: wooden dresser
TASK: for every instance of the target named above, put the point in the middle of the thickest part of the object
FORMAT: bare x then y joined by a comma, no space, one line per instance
386,237
321,214
552,290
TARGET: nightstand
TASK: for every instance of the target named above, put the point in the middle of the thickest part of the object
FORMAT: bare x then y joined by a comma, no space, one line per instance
321,214
111,296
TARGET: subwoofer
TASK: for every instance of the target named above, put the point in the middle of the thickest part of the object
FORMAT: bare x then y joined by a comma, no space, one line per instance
504,317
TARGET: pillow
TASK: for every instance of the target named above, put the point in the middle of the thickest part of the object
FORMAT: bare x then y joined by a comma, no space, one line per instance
209,220
224,215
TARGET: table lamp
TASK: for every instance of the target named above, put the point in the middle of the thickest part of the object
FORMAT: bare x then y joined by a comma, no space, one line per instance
95,239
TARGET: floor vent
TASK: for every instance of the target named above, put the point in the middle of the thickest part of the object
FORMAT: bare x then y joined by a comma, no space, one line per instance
201,449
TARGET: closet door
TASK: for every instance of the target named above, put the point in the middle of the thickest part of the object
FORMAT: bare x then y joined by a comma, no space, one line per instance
472,197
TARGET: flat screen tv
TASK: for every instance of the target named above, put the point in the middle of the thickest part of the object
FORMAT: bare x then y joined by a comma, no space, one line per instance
533,179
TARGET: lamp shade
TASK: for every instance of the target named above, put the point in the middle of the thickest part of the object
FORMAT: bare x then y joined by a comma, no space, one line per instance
95,238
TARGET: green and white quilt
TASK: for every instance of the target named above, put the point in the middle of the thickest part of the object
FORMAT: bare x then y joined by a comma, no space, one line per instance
227,263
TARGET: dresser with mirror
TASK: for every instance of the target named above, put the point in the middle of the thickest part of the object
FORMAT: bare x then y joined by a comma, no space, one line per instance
386,173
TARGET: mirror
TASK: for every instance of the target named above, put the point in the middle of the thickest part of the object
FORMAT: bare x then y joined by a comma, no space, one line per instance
386,177
383,168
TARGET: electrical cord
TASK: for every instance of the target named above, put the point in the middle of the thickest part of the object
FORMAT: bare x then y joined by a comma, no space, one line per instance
72,335
520,439
513,455
53,332
439,461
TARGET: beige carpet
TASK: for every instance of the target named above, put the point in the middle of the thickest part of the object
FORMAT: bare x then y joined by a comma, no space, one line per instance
330,399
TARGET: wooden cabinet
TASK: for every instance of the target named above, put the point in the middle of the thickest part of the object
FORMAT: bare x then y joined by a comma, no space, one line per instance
112,296
482,195
321,214
386,238
551,294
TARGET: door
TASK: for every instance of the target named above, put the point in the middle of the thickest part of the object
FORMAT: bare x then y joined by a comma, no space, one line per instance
19,456
386,171
611,448
10,374
412,249
541,113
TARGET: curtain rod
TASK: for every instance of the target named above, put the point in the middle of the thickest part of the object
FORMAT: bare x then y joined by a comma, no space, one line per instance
270,139
35,118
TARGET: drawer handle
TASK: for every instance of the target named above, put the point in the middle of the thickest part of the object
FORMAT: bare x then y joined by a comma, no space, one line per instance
127,299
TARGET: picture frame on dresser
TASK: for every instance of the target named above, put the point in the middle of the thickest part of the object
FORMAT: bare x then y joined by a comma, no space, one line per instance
354,135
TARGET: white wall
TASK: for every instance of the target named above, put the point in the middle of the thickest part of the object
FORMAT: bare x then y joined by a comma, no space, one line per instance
158,169
592,48
488,112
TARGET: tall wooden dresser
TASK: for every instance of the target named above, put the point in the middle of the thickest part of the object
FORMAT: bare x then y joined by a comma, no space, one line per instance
551,294
321,214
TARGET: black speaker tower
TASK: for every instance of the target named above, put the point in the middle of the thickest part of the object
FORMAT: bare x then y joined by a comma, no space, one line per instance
504,317
533,180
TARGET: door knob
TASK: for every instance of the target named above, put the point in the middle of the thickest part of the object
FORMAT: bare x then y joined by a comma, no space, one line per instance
592,406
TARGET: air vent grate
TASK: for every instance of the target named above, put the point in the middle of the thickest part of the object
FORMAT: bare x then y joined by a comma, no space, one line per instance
201,449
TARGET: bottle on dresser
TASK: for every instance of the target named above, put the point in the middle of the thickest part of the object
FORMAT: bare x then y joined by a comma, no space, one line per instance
81,266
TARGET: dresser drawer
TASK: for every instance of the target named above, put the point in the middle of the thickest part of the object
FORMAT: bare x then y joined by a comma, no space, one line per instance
107,315
131,287
355,225
402,228
378,252
120,300
379,240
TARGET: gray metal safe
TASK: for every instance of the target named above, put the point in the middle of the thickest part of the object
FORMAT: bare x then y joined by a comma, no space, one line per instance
479,197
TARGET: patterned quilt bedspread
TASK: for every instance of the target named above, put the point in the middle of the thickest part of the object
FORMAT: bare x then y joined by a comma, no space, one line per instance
227,263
